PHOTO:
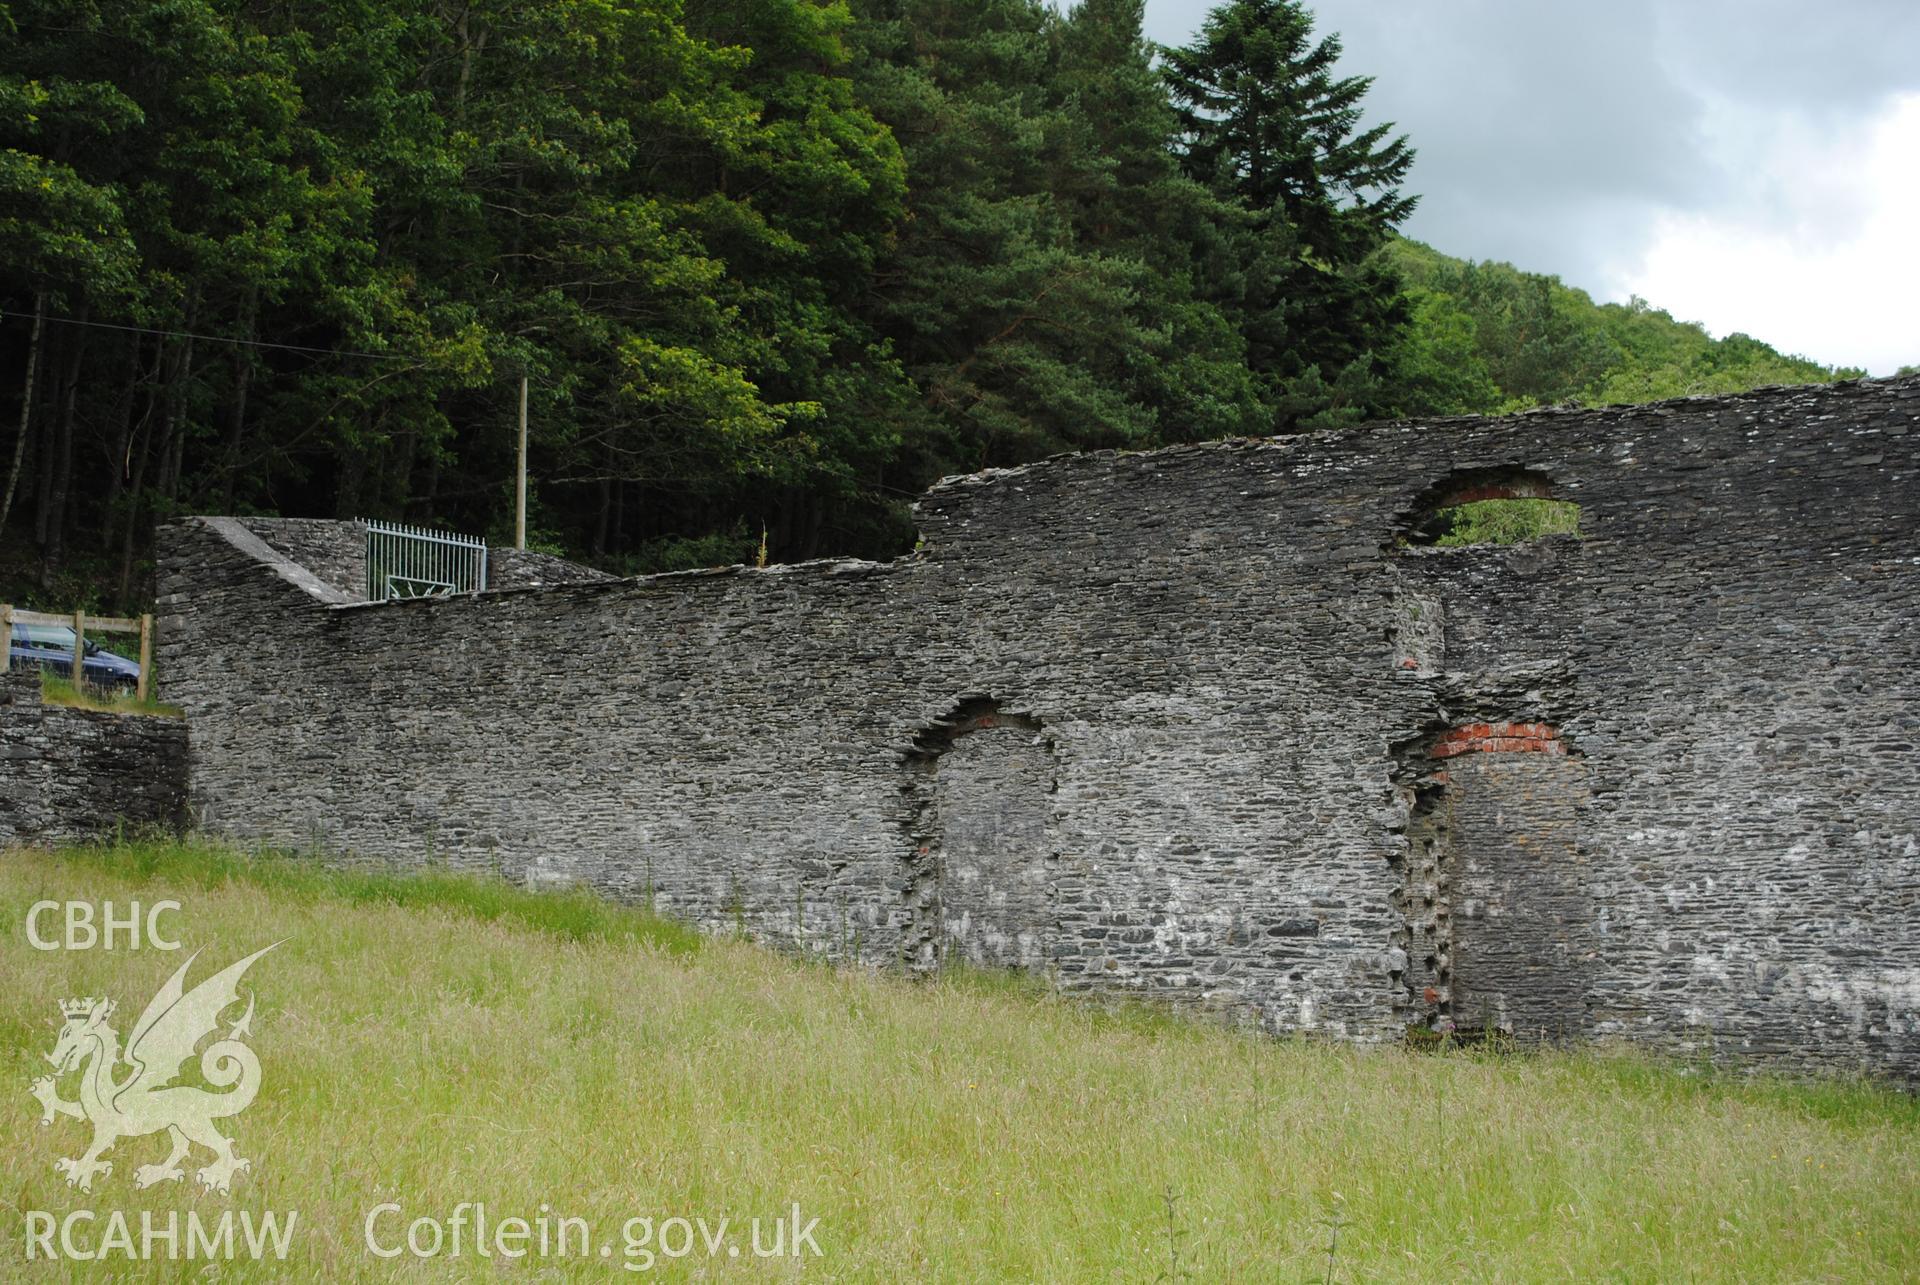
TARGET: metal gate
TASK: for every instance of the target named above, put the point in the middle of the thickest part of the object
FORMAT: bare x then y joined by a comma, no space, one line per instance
411,562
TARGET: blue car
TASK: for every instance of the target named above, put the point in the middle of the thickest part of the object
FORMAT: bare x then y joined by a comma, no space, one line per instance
51,647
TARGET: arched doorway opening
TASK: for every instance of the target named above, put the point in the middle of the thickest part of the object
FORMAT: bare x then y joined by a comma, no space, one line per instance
980,786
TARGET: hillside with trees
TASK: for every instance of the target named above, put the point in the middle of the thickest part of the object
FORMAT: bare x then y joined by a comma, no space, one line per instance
1488,337
767,266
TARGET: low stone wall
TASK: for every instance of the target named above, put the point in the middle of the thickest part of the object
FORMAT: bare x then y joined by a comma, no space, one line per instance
71,775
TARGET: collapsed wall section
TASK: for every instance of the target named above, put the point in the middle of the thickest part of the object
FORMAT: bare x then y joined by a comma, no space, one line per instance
596,733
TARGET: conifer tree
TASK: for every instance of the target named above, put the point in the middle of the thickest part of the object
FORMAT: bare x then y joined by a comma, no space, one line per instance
1011,328
1131,199
1265,121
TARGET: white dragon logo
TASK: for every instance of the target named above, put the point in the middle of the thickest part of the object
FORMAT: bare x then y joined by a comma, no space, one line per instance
145,1099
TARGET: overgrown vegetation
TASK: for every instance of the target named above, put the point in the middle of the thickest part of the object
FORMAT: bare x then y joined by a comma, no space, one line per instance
1504,521
55,690
568,914
420,1049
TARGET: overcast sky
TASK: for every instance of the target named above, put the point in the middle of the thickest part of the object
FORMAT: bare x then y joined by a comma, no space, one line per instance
1748,164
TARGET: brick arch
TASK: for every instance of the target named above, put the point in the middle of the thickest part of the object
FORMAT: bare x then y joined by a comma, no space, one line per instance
1501,929
1416,523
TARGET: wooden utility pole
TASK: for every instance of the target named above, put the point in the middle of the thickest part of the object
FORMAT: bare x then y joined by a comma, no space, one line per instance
144,687
79,650
520,498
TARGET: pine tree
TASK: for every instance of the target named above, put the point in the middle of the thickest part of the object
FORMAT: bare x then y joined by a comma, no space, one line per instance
1265,122
1129,198
1015,331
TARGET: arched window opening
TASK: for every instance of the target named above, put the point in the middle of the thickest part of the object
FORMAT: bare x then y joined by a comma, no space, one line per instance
1489,506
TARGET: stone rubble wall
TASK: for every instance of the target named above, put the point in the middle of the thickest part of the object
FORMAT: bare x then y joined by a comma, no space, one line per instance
1242,744
74,775
335,553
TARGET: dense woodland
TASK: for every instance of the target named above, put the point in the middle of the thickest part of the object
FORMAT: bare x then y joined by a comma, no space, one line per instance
767,266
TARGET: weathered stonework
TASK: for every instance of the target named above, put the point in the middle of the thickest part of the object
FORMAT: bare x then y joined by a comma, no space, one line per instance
335,553
1207,722
71,775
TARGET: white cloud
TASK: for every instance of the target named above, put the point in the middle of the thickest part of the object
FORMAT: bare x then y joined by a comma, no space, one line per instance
1817,249
1749,164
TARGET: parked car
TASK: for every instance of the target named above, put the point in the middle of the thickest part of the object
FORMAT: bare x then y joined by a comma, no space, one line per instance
51,647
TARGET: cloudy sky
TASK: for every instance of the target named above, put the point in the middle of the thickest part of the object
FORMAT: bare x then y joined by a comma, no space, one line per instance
1748,164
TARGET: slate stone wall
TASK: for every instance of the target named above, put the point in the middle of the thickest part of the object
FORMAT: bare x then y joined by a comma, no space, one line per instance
335,553
527,569
71,775
1210,728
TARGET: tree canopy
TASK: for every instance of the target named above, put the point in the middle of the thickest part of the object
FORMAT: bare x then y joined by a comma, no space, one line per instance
1488,337
768,266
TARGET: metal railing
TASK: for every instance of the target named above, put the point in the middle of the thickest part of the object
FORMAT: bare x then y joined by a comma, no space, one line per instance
412,562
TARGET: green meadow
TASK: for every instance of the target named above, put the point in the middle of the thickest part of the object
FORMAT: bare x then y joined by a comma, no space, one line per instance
429,1042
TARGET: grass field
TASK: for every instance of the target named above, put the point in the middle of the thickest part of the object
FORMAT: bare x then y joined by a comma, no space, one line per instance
429,1042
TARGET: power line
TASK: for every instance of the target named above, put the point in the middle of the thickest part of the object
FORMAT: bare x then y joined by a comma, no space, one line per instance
215,339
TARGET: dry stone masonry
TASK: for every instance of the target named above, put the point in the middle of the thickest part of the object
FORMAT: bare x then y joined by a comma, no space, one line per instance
1214,723
73,775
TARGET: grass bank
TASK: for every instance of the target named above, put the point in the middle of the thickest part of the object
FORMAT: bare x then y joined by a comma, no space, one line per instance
428,1042
55,690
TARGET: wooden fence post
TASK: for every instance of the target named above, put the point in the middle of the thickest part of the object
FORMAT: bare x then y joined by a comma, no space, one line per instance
146,658
79,650
6,636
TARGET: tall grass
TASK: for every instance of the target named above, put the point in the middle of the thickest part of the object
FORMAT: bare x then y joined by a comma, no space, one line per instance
568,914
55,690
434,1041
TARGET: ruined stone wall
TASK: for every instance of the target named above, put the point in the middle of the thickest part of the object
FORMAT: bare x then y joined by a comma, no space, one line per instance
335,553
72,775
1199,722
